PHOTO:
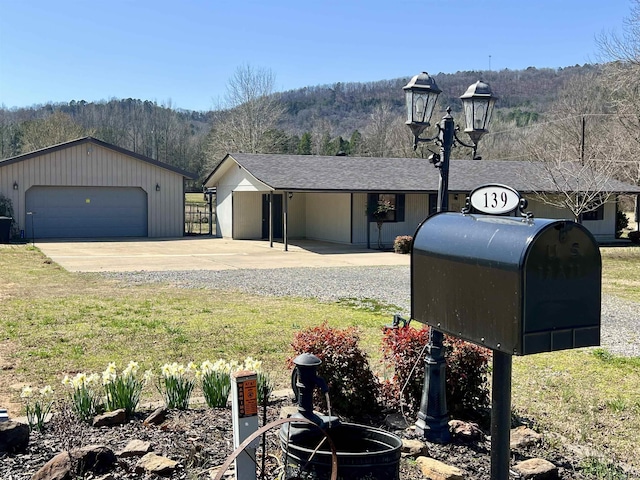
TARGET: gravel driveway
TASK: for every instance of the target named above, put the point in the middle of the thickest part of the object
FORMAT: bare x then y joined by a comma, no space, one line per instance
388,285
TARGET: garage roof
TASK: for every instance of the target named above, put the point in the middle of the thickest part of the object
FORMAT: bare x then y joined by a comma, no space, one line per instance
375,174
95,141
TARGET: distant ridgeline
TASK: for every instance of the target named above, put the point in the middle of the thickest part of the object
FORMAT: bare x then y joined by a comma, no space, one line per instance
356,118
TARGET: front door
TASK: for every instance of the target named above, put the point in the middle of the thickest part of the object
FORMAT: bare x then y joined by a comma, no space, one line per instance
277,216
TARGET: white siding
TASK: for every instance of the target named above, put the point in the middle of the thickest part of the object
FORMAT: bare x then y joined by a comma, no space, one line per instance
296,224
604,229
247,215
236,198
224,211
416,210
88,164
328,217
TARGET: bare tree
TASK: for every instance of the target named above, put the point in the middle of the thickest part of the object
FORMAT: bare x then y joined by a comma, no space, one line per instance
52,130
621,52
574,153
377,135
251,113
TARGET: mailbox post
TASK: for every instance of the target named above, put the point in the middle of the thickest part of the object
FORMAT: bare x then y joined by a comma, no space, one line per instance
518,286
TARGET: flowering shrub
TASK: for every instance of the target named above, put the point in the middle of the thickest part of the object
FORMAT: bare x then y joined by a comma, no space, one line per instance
353,388
37,407
85,400
265,384
216,382
176,384
122,390
467,367
402,244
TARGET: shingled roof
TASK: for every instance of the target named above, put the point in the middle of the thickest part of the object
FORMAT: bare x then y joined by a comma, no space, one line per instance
375,174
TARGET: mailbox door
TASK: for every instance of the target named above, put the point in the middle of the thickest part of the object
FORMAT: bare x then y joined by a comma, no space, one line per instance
562,290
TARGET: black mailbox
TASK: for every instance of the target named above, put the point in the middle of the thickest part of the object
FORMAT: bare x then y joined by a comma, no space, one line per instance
516,285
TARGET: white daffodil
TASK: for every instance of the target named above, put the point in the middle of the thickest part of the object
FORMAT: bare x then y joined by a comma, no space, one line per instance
131,370
46,391
92,379
27,392
207,367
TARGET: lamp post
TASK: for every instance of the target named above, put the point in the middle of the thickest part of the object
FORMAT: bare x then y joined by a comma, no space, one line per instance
478,101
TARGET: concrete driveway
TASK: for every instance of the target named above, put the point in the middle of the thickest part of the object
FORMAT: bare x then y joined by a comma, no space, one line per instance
206,254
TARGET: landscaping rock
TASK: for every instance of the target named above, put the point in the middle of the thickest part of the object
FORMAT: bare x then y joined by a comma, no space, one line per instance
465,431
108,419
522,437
67,465
93,458
14,436
413,448
135,448
152,463
396,421
58,468
158,416
436,470
536,469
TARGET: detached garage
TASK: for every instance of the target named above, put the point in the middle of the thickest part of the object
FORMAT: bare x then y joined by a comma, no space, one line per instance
91,189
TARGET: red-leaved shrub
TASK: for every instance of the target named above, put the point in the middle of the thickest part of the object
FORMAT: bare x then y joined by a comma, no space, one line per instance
467,367
353,388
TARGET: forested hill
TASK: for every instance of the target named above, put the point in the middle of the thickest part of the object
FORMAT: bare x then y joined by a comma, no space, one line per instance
319,117
348,106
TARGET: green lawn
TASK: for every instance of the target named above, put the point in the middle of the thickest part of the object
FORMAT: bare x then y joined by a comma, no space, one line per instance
54,323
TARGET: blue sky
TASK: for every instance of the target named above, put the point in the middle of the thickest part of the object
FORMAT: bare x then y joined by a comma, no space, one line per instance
185,51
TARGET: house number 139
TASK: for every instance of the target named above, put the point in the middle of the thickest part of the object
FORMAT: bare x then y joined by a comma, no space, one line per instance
494,199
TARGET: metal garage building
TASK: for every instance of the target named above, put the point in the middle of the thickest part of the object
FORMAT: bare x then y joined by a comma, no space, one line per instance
87,188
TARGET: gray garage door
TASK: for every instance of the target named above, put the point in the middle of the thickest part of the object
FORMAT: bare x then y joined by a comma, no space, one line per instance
86,212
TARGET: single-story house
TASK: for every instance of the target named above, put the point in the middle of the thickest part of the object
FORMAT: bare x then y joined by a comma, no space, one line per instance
326,198
87,188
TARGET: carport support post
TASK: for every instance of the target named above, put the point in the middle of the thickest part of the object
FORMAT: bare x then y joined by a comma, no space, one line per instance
286,220
271,219
500,415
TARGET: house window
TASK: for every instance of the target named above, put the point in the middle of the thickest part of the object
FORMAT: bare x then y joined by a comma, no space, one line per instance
597,214
394,199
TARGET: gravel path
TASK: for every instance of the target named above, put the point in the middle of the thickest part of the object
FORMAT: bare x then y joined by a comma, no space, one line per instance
388,285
